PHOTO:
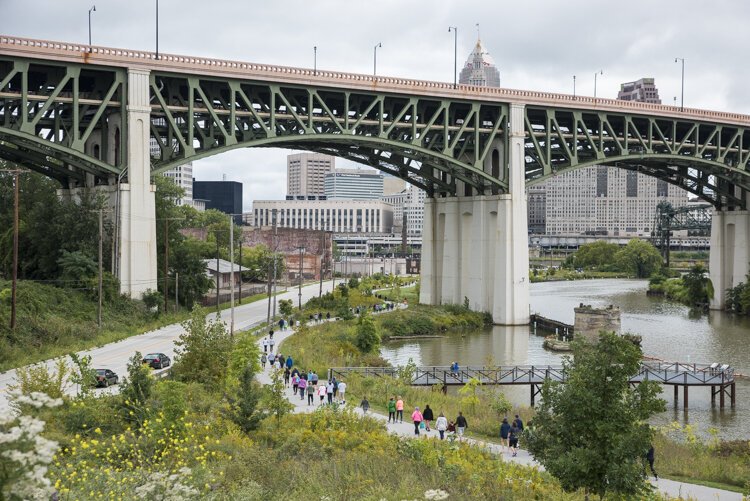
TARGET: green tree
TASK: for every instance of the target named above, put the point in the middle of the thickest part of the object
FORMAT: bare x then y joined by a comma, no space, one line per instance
639,258
152,299
367,339
274,398
698,286
83,374
589,432
136,390
188,262
594,255
244,404
286,307
202,351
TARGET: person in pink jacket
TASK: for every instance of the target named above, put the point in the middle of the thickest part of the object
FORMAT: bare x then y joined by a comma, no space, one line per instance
416,417
400,409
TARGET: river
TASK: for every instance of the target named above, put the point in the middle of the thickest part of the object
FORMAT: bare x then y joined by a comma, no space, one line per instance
669,332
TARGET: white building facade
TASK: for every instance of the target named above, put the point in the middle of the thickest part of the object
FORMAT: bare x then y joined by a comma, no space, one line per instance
361,216
353,184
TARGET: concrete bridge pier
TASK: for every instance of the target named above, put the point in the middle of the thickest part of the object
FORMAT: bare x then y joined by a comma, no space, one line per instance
729,261
475,247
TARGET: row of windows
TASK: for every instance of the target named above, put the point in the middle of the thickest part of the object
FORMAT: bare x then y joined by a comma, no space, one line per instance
367,220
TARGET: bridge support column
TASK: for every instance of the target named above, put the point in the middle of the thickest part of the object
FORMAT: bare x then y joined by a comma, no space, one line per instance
730,252
476,247
137,210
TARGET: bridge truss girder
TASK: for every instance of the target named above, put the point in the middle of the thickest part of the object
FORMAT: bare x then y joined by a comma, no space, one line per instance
434,143
48,111
707,159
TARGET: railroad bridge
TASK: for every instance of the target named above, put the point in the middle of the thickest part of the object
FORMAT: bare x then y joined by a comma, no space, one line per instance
107,119
719,378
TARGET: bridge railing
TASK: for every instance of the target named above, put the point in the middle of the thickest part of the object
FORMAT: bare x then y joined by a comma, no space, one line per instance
662,372
405,84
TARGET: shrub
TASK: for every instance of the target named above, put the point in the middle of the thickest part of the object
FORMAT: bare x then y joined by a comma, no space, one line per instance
202,351
367,339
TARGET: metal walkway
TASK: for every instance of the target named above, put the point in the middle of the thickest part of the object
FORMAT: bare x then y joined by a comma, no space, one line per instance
720,378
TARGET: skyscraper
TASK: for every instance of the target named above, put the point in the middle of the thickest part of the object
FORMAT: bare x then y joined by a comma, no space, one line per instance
353,184
480,69
305,173
643,91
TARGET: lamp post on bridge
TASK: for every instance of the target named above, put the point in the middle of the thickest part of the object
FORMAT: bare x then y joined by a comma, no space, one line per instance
92,9
315,60
574,86
682,84
375,58
600,72
157,29
454,29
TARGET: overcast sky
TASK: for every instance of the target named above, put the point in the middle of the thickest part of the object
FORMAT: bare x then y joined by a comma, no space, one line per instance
537,45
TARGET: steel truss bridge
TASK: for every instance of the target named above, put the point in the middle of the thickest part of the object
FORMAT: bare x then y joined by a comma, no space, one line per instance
695,218
55,96
720,378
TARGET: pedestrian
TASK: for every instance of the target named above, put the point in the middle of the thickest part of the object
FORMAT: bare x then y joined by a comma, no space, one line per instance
441,424
427,416
314,377
322,390
320,317
287,375
295,372
328,315
310,394
342,392
289,362
335,386
416,418
329,391
270,334
519,423
282,361
504,432
265,345
513,438
650,459
392,410
365,404
302,387
263,359
295,383
281,324
461,425
400,409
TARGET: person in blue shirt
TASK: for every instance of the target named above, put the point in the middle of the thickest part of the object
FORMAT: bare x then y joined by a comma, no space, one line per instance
289,362
504,432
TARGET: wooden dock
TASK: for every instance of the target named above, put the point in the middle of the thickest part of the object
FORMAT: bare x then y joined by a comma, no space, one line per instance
720,378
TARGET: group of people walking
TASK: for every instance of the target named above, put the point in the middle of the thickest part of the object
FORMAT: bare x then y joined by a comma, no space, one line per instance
308,384
510,433
422,419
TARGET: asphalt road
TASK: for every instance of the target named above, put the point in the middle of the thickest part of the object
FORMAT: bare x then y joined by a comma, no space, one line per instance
115,356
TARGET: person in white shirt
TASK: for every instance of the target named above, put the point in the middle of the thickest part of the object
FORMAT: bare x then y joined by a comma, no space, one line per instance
265,344
322,390
441,424
342,391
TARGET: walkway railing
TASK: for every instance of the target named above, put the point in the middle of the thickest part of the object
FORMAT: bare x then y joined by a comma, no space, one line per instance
667,373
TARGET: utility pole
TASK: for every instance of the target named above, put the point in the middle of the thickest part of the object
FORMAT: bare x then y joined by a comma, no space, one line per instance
240,271
218,274
275,257
101,241
176,289
231,277
16,197
322,258
166,264
301,257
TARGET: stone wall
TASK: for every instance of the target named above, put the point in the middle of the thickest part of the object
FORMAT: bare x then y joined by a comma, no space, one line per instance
591,321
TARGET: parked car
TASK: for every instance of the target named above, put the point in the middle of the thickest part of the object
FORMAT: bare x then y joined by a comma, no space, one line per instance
105,377
157,360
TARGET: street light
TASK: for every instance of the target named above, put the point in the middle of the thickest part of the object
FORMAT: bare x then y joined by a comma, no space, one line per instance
600,72
375,58
454,29
92,9
574,86
315,60
682,92
301,259
157,29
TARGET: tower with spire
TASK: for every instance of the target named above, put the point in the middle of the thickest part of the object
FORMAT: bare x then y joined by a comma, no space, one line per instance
480,68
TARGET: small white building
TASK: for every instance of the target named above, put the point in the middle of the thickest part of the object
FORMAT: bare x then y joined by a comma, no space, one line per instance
224,273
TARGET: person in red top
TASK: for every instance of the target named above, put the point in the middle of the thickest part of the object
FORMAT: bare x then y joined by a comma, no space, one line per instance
416,417
400,409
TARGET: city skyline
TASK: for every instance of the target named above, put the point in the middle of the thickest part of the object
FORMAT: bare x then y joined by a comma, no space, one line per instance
641,41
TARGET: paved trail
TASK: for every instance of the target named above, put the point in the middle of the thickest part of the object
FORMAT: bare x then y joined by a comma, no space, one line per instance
406,429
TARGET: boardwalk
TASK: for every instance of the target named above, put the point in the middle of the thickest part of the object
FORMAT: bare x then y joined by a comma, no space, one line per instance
720,378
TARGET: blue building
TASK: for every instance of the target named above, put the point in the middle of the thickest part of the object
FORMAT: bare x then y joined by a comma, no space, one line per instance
225,196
